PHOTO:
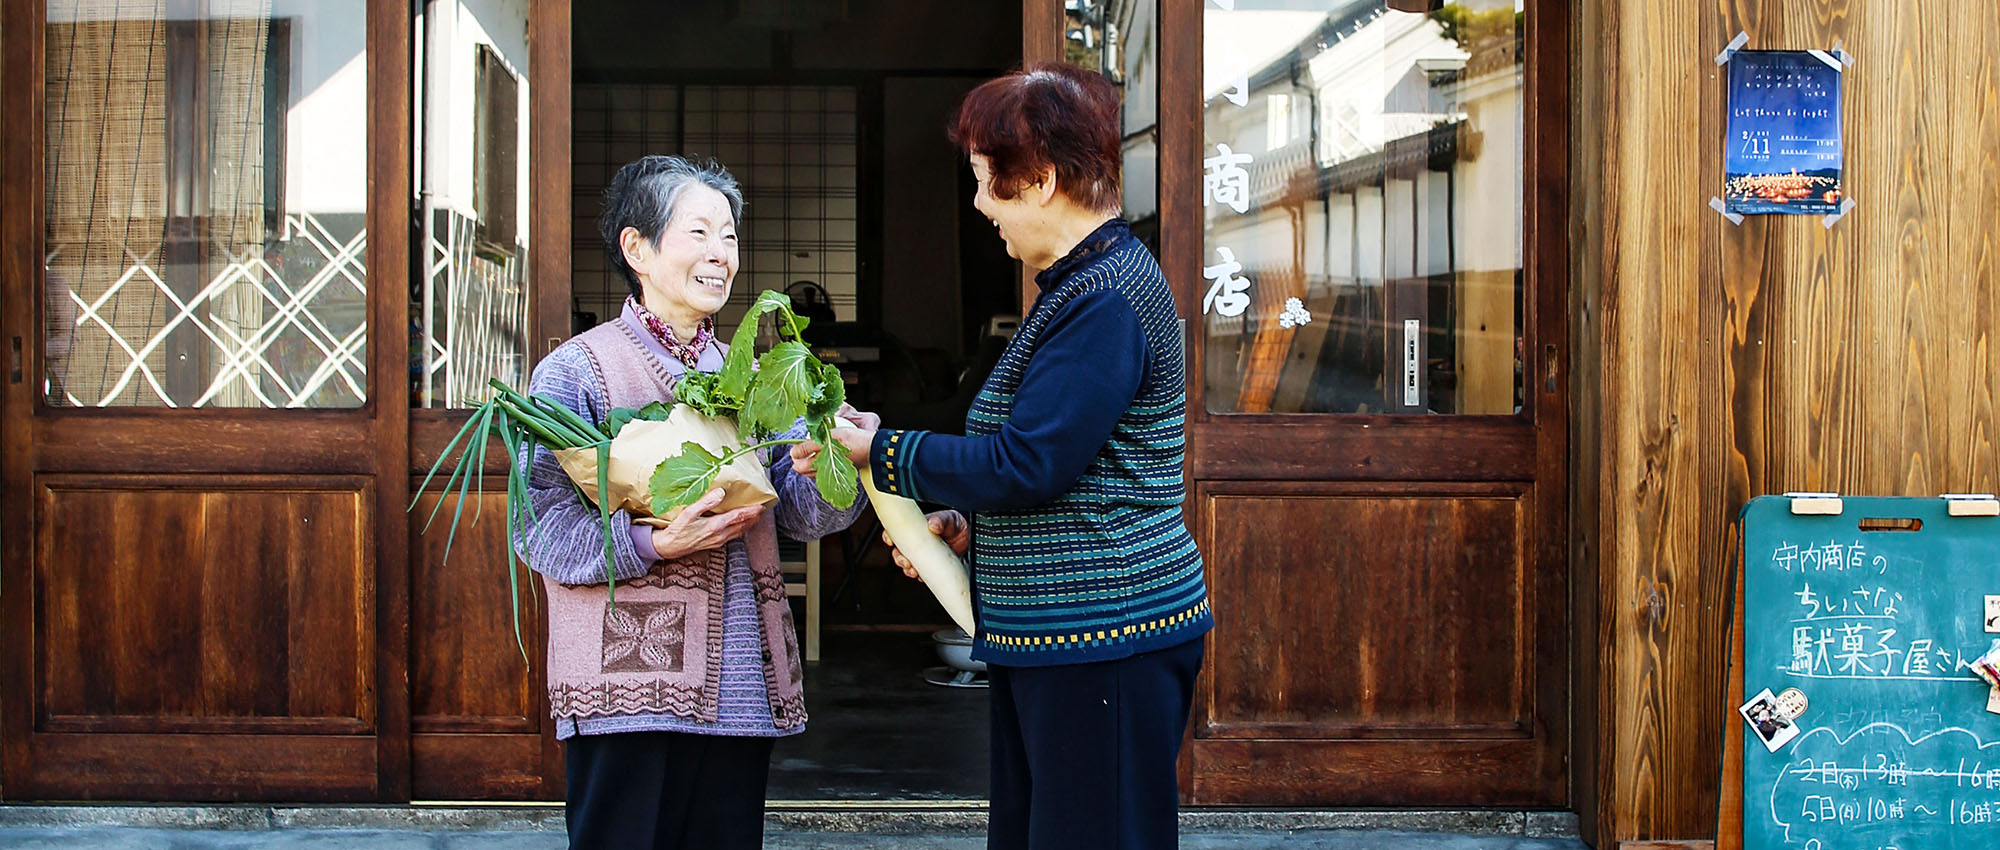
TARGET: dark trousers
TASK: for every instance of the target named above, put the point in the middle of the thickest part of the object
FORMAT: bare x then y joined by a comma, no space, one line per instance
1083,754
634,790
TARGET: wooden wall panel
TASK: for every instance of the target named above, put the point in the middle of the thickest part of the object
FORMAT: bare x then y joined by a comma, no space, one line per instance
172,605
478,729
1390,774
1776,355
1403,652
476,766
149,768
469,675
118,441
1332,653
1589,641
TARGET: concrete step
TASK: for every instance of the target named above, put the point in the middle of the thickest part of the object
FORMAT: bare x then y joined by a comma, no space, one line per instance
425,827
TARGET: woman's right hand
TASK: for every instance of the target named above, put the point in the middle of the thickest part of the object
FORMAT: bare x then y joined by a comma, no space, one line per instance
696,530
949,525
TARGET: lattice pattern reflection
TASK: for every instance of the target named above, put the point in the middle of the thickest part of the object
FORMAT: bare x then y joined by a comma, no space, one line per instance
474,321
282,325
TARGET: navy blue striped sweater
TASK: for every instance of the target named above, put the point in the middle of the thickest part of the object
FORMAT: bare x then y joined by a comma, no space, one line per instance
1071,468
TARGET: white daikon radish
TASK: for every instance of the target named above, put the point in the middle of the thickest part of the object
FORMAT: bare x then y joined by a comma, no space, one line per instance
936,564
939,567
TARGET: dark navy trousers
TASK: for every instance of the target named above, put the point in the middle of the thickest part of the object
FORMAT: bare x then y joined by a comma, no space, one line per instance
666,790
1084,754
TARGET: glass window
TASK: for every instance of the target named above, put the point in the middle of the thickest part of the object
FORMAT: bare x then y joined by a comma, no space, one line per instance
795,168
469,316
1117,39
1362,192
206,204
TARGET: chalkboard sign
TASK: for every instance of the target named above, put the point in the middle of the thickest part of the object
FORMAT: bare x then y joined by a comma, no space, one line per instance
1868,614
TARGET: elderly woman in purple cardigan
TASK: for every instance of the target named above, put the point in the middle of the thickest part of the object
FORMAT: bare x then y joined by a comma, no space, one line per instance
669,702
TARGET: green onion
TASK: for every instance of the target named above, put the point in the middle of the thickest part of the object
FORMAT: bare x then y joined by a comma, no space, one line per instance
536,426
604,512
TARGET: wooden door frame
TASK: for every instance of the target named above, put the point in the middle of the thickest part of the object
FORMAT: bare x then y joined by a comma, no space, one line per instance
391,160
550,65
21,65
1375,447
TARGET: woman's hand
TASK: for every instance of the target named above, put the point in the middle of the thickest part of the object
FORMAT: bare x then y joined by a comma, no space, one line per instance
696,530
949,525
863,421
856,441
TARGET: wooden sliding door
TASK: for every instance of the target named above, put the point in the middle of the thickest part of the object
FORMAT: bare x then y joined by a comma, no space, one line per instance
1363,210
256,260
204,208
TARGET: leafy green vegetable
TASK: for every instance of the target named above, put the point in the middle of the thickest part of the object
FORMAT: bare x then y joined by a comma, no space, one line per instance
682,479
788,376
698,390
733,381
617,419
829,396
835,475
766,395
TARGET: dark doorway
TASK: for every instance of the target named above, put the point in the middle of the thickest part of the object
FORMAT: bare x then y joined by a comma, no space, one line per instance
832,117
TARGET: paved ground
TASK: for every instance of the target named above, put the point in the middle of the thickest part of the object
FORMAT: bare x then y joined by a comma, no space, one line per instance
364,839
471,827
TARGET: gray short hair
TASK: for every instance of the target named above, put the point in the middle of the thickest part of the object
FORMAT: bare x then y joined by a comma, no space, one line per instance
643,196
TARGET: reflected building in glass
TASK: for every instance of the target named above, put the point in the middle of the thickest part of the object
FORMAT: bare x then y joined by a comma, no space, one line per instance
1362,179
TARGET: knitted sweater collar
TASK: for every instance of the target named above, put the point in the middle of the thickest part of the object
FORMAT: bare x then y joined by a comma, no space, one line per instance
1100,241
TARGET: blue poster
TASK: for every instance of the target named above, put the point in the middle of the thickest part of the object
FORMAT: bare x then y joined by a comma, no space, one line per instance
1784,133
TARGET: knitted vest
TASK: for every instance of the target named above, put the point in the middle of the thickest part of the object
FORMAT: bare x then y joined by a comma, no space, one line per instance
675,604
1106,569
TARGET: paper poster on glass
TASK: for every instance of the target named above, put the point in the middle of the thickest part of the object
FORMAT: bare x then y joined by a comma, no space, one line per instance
1783,133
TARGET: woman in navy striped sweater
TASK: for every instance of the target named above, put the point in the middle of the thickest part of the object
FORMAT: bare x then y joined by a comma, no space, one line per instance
1087,587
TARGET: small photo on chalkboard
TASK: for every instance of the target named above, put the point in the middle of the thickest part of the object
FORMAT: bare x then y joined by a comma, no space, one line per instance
1772,725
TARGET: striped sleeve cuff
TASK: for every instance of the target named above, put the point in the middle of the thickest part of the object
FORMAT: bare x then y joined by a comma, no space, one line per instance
891,458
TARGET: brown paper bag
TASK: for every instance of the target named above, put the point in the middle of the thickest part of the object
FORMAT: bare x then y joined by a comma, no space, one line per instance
642,444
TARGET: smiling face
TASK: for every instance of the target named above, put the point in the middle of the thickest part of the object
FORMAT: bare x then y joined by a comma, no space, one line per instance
1018,219
686,277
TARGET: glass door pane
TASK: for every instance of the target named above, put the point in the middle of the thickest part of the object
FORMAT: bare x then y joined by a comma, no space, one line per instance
1362,189
470,314
206,204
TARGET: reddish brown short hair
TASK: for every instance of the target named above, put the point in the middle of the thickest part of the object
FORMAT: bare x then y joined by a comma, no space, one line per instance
1048,115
